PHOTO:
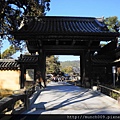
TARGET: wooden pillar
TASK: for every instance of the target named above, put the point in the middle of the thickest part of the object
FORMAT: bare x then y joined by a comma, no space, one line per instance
43,66
34,82
88,68
22,76
44,69
85,65
35,75
82,68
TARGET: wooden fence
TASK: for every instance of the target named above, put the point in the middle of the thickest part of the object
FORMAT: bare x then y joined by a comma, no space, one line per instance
18,102
110,92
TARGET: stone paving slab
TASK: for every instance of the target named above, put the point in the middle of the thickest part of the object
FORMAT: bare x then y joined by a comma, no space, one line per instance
63,98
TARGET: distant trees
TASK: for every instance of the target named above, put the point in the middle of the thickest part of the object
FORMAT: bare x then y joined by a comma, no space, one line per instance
12,12
67,66
8,52
52,64
57,67
113,23
67,69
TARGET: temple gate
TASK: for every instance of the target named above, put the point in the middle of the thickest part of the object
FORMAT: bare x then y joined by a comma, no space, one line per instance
55,35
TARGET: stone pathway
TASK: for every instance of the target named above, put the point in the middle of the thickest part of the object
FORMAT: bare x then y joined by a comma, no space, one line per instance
63,98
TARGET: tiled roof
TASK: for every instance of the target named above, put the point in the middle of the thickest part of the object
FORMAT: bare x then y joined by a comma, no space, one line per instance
8,64
102,60
28,59
11,64
61,27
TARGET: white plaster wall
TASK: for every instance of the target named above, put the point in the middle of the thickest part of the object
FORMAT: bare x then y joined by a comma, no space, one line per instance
9,80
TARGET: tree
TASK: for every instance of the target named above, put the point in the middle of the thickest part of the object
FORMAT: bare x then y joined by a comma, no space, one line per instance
8,52
52,64
67,69
12,12
113,23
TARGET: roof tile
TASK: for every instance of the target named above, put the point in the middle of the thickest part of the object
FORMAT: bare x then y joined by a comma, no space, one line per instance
52,25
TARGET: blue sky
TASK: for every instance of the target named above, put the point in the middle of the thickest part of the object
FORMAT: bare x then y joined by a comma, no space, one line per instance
81,8
85,8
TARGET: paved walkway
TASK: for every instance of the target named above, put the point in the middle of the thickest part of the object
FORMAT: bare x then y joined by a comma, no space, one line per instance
63,98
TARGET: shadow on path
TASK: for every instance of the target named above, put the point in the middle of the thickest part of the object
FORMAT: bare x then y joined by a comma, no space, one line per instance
65,97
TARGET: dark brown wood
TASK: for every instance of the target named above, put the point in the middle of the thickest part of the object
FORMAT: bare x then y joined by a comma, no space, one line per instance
8,103
108,48
22,77
35,69
56,27
82,67
57,35
42,66
27,62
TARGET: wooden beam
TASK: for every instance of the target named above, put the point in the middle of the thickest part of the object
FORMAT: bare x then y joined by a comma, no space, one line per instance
57,42
63,52
68,47
73,42
40,43
89,43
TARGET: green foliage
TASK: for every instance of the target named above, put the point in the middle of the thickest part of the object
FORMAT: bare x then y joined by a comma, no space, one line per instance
13,11
8,52
112,23
52,64
67,66
114,95
67,69
70,63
